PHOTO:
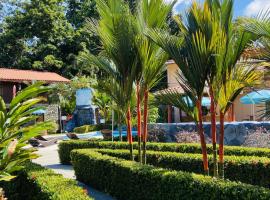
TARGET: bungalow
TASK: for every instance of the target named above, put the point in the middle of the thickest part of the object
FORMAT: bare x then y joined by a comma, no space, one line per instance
238,112
13,80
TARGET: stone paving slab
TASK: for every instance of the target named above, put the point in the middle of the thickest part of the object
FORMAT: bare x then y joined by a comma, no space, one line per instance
49,158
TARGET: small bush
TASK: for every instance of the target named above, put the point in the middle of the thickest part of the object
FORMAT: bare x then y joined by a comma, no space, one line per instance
66,147
38,183
127,180
85,129
251,170
90,128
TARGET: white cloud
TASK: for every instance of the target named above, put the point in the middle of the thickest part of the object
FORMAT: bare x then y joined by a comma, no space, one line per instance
256,6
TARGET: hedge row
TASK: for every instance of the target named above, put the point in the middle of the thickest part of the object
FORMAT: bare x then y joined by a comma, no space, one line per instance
38,183
127,180
251,170
66,147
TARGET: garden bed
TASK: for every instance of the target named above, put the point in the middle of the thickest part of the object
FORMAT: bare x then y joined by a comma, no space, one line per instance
38,183
66,147
129,180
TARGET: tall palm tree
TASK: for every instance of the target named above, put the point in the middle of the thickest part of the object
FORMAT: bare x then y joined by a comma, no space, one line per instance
150,14
231,43
117,32
192,52
239,78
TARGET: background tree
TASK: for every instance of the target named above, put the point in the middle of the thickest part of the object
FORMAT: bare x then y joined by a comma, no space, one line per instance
65,94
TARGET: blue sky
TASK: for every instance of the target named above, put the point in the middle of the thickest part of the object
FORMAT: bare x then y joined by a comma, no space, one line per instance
241,7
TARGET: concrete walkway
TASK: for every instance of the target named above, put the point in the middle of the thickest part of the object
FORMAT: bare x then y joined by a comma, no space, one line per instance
49,158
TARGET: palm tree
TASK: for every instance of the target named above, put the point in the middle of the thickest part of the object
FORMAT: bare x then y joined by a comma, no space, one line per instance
260,27
14,132
239,78
230,45
119,58
192,52
150,14
221,13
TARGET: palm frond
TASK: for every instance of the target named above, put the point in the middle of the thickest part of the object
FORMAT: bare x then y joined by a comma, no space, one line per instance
179,100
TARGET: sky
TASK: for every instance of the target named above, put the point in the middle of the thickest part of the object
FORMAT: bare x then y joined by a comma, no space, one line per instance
241,7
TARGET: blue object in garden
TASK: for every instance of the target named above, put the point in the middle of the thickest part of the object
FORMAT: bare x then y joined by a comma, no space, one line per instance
205,101
39,112
256,97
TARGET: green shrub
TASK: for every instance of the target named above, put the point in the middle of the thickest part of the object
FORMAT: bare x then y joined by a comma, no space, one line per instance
85,129
38,183
90,128
251,170
66,147
127,180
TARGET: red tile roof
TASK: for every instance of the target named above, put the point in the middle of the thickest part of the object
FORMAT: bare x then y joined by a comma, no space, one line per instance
16,75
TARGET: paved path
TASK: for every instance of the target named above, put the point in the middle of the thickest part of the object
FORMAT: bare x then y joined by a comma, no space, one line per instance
49,158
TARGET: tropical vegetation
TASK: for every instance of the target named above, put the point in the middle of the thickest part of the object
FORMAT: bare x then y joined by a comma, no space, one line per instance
16,129
207,56
121,46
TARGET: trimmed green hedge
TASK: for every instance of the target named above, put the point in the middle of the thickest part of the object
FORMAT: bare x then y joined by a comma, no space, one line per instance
247,169
38,183
127,180
66,147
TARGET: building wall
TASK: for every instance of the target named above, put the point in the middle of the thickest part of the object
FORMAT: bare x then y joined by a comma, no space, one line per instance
172,70
6,91
242,112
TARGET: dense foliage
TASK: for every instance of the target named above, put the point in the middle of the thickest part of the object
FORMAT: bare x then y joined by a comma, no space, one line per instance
39,183
131,180
49,34
66,147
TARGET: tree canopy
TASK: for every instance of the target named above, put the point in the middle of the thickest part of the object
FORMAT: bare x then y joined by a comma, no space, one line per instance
48,35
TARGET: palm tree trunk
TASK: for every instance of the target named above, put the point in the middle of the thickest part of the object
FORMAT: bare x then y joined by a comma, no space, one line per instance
221,146
119,126
139,122
202,139
120,131
145,119
129,133
213,132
